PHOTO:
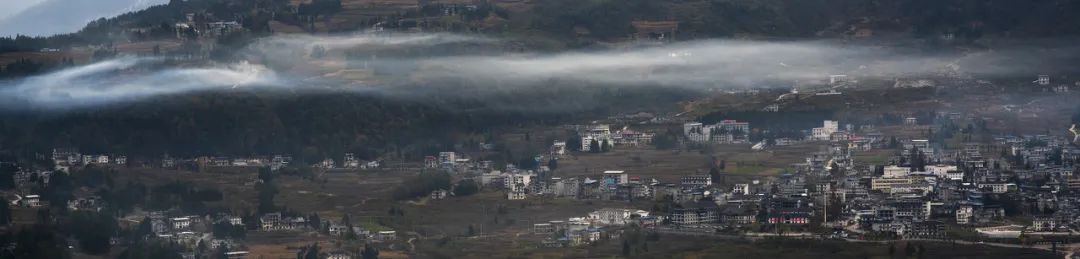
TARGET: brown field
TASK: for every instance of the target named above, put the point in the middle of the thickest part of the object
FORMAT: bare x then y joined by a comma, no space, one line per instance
669,165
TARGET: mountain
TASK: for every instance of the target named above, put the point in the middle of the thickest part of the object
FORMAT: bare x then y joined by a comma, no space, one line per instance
49,17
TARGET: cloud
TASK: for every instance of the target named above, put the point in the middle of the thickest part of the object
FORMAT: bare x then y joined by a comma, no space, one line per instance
129,79
733,63
347,41
448,64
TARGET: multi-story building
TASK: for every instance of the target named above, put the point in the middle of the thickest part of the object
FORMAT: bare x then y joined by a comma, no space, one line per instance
886,184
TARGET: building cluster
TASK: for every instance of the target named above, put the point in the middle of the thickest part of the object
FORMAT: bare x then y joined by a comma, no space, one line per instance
193,234
602,224
723,132
922,189
197,25
601,136
65,158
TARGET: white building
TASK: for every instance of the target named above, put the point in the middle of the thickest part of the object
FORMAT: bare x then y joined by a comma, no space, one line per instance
741,188
558,148
1043,80
181,222
725,131
612,216
601,134
942,171
447,159
825,131
893,171
998,187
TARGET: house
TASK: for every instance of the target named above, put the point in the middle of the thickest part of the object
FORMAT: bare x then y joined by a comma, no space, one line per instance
217,29
612,216
66,156
236,221
611,179
825,131
893,171
350,161
628,137
570,187
696,213
337,229
925,230
598,134
1044,224
388,235
558,148
723,132
32,201
738,214
180,223
886,184
543,228
516,193
998,187
439,194
655,30
270,221
86,204
326,163
431,162
696,180
1043,80
447,160
338,255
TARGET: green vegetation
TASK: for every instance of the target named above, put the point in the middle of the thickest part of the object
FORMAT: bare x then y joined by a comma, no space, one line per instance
422,185
466,187
93,231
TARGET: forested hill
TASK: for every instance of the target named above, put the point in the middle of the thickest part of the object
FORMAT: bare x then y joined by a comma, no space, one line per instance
590,20
309,126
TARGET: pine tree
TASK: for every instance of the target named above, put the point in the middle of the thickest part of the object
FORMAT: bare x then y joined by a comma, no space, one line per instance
369,252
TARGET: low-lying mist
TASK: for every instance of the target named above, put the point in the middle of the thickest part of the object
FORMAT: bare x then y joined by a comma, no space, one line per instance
450,64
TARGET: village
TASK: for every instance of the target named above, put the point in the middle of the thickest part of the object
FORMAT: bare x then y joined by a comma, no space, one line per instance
852,183
863,159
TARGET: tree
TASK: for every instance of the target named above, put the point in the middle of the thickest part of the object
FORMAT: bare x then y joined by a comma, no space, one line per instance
553,164
574,143
311,252
594,146
93,231
150,249
666,141
626,248
5,214
466,187
369,252
715,175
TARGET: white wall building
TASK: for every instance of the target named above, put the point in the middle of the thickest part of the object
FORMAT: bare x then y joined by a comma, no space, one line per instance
896,171
825,131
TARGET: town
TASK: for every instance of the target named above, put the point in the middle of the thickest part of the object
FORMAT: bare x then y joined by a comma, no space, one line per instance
924,177
339,129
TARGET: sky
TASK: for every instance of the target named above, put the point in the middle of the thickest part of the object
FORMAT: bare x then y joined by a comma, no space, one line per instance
49,17
11,7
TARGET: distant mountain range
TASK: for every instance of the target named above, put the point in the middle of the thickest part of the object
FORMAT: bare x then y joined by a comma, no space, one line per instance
48,17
